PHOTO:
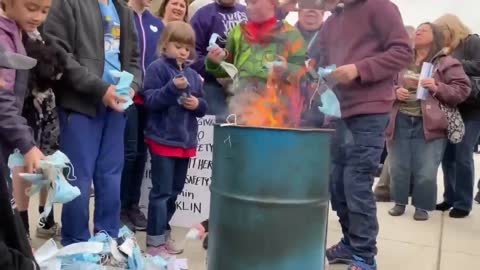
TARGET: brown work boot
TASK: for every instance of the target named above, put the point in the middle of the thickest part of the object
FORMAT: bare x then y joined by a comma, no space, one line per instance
382,194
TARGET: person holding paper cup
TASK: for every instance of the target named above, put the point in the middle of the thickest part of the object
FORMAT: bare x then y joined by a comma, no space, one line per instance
417,132
457,164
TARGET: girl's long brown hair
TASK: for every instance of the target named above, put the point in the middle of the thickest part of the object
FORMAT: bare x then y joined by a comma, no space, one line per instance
163,7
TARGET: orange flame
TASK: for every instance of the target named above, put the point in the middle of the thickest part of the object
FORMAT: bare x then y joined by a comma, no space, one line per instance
280,104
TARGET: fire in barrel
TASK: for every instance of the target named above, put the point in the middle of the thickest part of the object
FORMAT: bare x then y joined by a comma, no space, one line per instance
269,192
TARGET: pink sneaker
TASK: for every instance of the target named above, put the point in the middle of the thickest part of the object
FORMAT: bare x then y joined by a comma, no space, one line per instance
172,247
159,251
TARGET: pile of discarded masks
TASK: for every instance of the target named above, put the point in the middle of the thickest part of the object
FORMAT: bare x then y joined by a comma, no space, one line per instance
101,252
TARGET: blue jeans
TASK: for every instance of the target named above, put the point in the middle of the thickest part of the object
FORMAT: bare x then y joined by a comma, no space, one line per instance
135,157
356,148
168,180
412,158
458,168
95,148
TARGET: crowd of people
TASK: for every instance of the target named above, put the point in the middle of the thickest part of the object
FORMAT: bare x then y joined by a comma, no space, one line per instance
69,102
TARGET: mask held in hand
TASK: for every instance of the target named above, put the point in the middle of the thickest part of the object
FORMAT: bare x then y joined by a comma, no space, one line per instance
51,176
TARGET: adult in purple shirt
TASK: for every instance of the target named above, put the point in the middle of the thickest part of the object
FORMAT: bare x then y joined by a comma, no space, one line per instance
149,29
367,42
218,18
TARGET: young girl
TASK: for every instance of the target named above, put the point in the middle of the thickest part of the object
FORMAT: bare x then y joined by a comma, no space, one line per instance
173,100
17,17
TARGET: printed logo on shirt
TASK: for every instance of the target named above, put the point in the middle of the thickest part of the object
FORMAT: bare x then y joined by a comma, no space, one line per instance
112,35
154,28
231,20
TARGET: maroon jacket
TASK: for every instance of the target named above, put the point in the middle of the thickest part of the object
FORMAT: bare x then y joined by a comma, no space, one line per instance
453,88
371,35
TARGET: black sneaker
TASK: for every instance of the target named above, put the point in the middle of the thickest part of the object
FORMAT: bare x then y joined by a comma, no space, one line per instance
457,213
444,206
477,197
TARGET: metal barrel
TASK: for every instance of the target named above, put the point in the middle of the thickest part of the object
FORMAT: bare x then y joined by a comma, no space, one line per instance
269,199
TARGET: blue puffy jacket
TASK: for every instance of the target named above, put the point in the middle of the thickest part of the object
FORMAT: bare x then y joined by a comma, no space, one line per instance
168,122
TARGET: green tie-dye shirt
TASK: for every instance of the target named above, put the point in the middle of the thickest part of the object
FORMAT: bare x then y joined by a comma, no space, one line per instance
252,59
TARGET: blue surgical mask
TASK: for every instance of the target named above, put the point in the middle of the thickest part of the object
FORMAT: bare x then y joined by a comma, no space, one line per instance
59,159
82,266
15,160
156,262
326,71
330,104
64,192
125,232
326,76
60,191
136,261
125,80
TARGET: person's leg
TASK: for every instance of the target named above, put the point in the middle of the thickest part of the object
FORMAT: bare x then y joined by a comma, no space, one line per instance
449,168
339,253
163,171
130,144
465,170
141,157
362,157
181,167
80,138
21,198
108,174
400,155
339,203
135,214
382,162
128,173
46,227
477,197
382,190
425,163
